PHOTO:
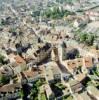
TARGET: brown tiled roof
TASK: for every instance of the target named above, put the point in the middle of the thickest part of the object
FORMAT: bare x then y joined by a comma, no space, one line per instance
29,73
72,64
19,59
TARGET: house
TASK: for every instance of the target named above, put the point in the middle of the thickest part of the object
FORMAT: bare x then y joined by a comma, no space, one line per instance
17,64
6,70
76,86
75,66
10,91
19,59
49,92
95,53
88,62
16,58
93,15
31,76
80,77
71,65
18,68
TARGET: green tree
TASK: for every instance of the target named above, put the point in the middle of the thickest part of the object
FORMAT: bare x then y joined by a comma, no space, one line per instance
90,40
1,59
4,79
21,94
34,93
83,37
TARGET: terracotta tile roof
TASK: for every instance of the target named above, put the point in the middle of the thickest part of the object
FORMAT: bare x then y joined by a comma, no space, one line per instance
16,58
29,73
19,59
84,62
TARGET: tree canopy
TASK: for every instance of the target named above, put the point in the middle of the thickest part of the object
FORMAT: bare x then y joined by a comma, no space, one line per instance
56,13
86,38
1,59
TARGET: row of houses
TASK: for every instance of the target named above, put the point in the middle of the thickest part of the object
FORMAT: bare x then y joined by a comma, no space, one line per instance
10,91
50,71
13,89
83,63
93,15
18,63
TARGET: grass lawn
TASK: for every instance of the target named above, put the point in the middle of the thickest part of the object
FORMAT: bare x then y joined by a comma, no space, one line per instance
96,73
35,89
43,97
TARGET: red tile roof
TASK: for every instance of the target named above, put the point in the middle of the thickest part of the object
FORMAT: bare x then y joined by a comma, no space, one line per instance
29,73
19,59
84,62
